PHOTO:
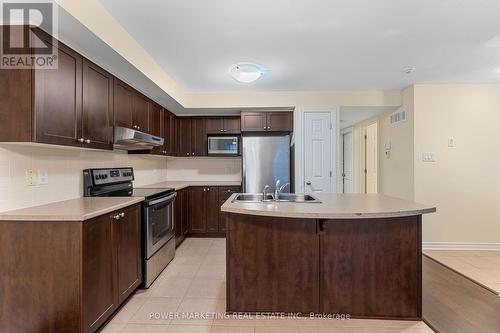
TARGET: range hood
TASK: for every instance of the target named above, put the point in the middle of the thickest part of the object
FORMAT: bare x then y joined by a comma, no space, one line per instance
130,139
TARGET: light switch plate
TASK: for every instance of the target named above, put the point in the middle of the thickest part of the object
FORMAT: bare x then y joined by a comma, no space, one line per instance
43,177
428,157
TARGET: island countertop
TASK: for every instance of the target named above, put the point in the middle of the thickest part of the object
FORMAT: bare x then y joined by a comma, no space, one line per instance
332,206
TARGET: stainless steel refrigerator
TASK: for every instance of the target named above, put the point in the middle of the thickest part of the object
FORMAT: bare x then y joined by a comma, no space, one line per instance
265,160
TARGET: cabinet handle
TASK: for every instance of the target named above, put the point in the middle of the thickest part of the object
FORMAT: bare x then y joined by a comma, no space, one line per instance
122,214
81,140
187,154
138,127
208,189
268,127
204,190
87,140
116,217
222,130
321,230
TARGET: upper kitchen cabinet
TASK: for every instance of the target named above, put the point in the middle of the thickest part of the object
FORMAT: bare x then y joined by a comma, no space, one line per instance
57,99
123,104
157,126
142,107
97,111
199,137
70,105
169,133
267,121
223,125
184,136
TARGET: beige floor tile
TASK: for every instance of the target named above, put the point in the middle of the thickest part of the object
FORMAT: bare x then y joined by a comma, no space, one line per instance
179,271
321,330
196,311
276,329
171,288
153,307
481,262
144,328
494,286
188,260
188,329
203,288
319,322
387,330
128,310
285,322
112,328
232,329
207,271
213,259
230,319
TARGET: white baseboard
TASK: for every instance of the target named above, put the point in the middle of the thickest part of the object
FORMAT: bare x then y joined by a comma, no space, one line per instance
460,246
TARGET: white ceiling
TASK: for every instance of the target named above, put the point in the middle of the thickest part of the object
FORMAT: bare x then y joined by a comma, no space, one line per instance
317,44
353,115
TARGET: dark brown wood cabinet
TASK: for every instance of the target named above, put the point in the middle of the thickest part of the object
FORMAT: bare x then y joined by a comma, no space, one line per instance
267,121
224,193
142,108
386,250
80,272
169,133
97,111
223,125
57,99
181,216
212,209
199,137
197,210
123,104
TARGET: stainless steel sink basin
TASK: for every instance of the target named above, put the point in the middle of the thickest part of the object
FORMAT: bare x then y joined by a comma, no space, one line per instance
283,197
297,197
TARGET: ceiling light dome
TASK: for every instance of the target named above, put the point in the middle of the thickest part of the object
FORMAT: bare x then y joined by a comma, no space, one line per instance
246,72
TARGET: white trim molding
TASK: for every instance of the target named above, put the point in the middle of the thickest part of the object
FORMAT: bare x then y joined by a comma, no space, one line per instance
460,246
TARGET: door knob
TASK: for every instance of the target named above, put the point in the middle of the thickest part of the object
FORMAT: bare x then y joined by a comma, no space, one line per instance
81,140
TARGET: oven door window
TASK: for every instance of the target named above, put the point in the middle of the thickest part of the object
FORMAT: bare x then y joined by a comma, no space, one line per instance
160,225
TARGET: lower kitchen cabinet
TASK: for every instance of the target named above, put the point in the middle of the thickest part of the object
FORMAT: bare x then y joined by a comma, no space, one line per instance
197,210
181,216
224,193
80,272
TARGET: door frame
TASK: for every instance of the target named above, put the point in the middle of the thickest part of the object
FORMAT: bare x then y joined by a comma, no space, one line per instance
334,157
363,175
344,131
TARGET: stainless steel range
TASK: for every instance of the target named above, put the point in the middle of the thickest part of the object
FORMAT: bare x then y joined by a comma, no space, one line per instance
157,214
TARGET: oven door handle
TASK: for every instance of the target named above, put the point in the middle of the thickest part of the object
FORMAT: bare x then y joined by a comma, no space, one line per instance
160,200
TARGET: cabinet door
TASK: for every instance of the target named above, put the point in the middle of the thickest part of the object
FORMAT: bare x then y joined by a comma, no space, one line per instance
142,106
184,136
97,109
224,193
157,126
253,121
280,121
127,231
179,235
212,209
232,125
185,212
169,133
214,125
199,137
372,269
100,294
58,99
123,104
197,210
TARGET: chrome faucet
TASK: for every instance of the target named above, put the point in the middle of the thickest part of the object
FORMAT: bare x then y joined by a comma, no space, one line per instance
264,192
279,189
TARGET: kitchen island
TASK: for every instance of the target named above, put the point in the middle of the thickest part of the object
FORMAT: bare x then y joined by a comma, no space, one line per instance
352,254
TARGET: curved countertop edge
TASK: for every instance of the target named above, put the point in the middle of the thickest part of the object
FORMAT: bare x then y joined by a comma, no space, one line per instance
361,212
73,210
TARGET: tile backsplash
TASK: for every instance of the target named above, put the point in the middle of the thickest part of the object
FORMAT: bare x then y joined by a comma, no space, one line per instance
64,167
204,168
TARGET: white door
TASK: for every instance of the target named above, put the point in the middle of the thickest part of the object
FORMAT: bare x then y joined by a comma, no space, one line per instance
371,160
318,152
348,166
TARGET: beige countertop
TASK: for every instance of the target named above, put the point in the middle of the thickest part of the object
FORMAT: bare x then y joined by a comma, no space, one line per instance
333,206
75,210
179,185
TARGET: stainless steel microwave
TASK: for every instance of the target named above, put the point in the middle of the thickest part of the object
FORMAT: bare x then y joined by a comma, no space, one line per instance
223,145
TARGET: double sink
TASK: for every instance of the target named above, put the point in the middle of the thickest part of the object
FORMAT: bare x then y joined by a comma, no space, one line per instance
282,197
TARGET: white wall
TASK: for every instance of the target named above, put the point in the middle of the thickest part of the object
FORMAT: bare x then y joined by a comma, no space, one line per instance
64,166
464,182
204,168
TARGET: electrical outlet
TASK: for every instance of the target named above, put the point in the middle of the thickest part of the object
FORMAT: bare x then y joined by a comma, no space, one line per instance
428,157
43,177
451,142
30,178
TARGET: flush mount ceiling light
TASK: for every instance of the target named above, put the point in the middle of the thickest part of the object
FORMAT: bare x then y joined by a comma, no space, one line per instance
408,69
246,72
